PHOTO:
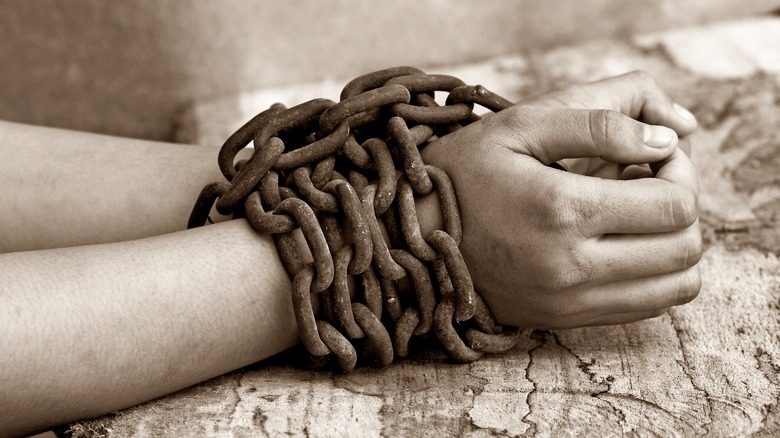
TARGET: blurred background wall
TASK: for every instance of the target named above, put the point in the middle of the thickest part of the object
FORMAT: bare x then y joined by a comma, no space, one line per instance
127,67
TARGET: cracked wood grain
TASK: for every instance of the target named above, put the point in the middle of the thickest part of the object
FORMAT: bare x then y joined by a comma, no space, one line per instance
731,338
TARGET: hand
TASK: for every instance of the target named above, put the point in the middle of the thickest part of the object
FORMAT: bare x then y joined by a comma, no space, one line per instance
556,249
636,95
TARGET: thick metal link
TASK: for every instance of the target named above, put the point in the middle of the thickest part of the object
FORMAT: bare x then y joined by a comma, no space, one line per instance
448,202
390,298
421,133
206,198
359,181
266,222
393,226
379,342
446,333
385,168
440,115
422,83
366,101
323,171
332,231
479,95
491,343
304,314
246,180
430,113
361,236
325,167
328,306
312,232
341,298
315,151
241,138
483,319
299,116
287,247
422,287
269,190
426,101
443,278
404,329
409,223
357,154
310,193
410,155
382,258
338,345
458,272
375,79
372,292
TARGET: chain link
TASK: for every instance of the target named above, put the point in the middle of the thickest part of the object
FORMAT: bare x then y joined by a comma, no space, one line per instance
295,180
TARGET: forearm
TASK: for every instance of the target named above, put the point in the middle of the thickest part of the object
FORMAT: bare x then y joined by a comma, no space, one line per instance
109,326
64,188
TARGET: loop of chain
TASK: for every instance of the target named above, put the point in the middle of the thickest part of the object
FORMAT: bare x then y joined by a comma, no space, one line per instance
346,174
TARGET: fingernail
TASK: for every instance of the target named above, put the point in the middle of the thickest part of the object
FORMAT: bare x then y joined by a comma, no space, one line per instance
683,113
659,136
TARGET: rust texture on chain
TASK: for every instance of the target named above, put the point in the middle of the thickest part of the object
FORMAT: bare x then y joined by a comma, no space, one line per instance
346,175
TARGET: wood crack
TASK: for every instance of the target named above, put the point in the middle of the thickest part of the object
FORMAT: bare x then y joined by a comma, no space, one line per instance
585,366
772,373
685,367
540,336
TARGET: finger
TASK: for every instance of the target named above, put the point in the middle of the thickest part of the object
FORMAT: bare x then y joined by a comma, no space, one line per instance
552,134
624,318
636,171
662,204
678,169
618,257
639,295
636,94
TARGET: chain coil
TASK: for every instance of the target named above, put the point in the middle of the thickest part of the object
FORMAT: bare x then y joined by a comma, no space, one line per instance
338,172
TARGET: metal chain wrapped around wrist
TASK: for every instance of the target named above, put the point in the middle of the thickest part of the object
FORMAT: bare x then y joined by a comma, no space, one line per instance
325,168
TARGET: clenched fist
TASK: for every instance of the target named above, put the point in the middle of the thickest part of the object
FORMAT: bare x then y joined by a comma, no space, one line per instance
613,240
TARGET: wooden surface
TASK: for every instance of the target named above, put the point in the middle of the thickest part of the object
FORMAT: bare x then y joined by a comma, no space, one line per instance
711,367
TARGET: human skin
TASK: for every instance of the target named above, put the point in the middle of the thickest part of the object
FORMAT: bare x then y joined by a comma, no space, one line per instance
565,250
90,329
109,325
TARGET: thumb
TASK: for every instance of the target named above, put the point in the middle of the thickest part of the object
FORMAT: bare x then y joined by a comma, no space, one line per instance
636,94
552,134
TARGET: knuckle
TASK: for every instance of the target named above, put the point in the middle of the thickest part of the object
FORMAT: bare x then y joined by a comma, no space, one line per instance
556,208
569,271
689,287
643,79
598,124
696,246
689,248
606,126
512,126
511,118
553,209
587,208
579,273
681,207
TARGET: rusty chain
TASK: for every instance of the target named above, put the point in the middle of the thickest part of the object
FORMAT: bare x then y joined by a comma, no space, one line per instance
339,172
